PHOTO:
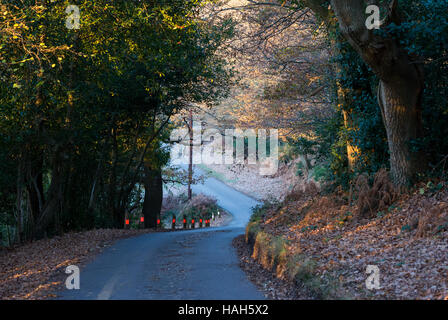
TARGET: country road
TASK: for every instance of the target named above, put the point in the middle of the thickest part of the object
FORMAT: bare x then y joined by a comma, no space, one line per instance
184,265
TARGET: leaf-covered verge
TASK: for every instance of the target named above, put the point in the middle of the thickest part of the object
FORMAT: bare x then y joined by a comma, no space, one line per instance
36,270
273,288
323,245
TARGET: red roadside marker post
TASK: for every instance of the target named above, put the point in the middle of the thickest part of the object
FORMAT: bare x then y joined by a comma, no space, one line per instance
127,222
200,223
192,223
185,222
173,223
158,223
142,223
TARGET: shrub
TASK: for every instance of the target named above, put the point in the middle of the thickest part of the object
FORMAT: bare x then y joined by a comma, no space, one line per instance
200,206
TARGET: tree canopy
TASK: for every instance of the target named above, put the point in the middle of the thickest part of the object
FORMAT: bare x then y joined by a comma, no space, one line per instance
84,110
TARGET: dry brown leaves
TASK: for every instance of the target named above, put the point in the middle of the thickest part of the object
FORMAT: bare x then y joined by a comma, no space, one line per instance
406,239
32,271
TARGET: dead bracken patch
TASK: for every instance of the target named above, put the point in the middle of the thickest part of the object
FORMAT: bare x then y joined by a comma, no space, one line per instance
433,218
376,197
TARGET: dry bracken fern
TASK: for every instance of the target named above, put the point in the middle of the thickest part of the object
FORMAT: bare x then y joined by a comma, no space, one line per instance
376,197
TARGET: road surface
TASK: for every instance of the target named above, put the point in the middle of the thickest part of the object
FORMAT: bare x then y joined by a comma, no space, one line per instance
185,265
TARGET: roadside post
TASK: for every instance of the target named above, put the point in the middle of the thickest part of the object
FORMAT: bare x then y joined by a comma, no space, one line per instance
200,223
158,223
185,222
192,223
173,222
142,222
126,222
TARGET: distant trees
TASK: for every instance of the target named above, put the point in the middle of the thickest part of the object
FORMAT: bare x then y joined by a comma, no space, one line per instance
285,65
83,111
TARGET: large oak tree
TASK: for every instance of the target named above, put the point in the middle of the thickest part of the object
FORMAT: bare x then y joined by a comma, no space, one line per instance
401,77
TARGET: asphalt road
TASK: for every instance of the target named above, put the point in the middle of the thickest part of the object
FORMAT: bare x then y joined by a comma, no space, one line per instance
186,265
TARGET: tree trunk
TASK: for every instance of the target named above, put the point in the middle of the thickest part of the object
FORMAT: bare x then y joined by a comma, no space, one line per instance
52,204
401,86
401,111
190,164
118,216
153,196
20,200
35,186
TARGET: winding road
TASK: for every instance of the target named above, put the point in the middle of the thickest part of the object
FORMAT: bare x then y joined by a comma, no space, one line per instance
198,264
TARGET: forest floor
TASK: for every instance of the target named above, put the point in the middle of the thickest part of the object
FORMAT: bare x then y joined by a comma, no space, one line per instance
36,270
322,245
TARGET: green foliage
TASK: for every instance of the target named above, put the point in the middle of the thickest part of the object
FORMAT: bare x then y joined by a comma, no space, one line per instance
259,211
83,110
321,173
296,147
364,128
200,206
424,35
332,150
299,169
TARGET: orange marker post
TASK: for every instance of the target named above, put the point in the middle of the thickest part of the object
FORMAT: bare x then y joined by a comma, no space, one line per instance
173,223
